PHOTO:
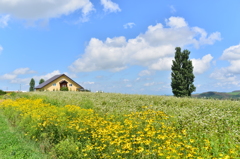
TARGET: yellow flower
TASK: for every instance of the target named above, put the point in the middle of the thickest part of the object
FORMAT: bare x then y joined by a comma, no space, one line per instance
192,140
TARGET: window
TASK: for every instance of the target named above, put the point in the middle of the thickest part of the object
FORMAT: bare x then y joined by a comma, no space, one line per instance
54,84
70,84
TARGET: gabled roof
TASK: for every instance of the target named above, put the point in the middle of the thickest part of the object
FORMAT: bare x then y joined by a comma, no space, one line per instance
53,79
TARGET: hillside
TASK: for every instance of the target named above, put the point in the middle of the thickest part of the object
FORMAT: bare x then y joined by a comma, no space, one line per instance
218,95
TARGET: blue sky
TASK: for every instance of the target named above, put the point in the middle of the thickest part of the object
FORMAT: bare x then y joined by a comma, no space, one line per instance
119,46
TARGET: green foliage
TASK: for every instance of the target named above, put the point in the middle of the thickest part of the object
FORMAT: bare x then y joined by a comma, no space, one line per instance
64,89
66,149
2,92
32,85
182,74
41,81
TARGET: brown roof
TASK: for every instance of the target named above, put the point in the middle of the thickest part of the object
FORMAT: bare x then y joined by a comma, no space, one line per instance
52,79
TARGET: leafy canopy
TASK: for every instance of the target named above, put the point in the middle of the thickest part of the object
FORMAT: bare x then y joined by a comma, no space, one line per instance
41,81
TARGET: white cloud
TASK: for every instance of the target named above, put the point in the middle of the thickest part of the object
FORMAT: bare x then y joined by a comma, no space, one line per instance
173,9
88,83
8,76
22,71
229,75
47,76
232,53
128,25
129,85
43,9
223,75
204,39
110,6
202,65
13,76
145,73
149,84
1,49
162,64
226,79
4,20
153,49
176,22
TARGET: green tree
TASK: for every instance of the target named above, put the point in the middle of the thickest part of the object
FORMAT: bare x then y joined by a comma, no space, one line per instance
182,74
41,81
32,85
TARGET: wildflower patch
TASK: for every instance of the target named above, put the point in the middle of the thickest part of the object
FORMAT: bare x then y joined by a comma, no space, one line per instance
74,132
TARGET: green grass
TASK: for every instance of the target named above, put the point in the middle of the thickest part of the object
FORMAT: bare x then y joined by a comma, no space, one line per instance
14,146
234,93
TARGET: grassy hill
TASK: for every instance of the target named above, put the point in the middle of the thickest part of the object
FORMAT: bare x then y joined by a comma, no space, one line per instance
219,95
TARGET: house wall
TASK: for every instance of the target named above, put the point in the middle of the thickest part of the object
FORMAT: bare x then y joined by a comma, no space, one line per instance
51,87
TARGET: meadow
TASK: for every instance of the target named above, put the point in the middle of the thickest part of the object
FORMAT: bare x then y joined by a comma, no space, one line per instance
108,125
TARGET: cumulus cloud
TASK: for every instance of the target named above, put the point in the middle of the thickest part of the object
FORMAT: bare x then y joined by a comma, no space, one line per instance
225,78
176,22
128,25
232,55
43,9
229,75
162,64
48,75
204,39
4,20
201,65
110,6
223,75
153,49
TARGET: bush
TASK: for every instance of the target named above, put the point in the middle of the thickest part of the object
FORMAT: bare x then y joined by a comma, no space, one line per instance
2,92
64,89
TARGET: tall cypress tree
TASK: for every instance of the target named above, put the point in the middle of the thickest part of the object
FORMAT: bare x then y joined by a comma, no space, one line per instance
32,85
182,74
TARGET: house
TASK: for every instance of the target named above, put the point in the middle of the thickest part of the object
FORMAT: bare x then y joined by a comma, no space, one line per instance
57,82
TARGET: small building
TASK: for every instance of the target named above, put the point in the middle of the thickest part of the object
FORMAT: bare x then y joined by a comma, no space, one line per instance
57,82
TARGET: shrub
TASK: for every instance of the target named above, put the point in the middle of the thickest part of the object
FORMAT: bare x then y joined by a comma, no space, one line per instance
2,92
64,89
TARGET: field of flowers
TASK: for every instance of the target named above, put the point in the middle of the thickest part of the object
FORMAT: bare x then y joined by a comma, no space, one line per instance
104,125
